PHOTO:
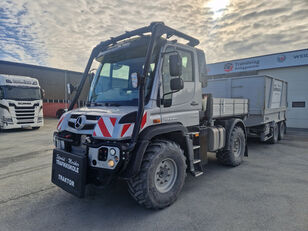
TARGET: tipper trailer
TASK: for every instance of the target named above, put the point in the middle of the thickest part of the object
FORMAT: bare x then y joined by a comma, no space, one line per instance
267,98
21,102
146,120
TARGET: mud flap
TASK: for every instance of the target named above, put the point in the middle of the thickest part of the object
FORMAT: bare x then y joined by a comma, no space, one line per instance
69,172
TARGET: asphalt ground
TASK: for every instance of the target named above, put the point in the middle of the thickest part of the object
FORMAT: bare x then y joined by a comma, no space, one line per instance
269,191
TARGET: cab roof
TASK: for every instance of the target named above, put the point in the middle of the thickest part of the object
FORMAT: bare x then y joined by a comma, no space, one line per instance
16,80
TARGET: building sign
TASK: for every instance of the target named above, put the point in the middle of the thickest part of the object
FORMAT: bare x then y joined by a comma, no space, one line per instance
287,59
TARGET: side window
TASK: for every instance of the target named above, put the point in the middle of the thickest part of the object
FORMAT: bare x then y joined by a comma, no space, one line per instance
187,66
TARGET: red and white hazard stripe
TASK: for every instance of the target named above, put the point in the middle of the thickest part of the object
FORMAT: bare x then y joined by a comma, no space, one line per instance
60,123
105,126
127,129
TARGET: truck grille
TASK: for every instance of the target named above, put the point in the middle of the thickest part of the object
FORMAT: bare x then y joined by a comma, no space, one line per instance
90,123
24,114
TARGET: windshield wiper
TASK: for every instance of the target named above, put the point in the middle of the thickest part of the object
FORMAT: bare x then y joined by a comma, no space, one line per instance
107,104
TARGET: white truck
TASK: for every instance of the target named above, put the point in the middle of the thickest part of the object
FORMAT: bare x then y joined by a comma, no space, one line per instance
147,120
21,102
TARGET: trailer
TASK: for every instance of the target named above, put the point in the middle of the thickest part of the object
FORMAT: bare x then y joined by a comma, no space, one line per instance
267,102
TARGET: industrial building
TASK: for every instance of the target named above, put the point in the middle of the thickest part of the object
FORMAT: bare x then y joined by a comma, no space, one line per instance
290,66
52,80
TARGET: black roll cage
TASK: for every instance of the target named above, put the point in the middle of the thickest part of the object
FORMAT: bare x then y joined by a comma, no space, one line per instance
157,29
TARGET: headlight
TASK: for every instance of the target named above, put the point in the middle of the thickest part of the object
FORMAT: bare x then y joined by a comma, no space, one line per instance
39,119
112,151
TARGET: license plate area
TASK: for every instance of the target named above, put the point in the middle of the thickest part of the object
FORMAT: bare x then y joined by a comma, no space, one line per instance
69,172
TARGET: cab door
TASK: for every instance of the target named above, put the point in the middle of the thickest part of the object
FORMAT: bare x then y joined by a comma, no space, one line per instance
184,105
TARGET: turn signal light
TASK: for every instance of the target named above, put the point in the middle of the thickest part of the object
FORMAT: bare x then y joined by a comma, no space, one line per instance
156,121
110,163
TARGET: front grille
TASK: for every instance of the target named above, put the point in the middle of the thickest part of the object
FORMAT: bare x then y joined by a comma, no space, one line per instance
86,127
24,114
89,117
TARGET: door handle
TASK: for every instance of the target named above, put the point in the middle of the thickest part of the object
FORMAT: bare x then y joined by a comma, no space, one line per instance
194,103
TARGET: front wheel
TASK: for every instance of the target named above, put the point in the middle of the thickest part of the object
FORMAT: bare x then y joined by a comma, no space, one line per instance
233,155
161,177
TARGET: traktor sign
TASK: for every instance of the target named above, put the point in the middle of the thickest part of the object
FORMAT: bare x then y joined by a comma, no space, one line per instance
287,59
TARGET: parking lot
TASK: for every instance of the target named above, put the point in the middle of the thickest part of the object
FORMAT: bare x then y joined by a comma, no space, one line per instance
269,191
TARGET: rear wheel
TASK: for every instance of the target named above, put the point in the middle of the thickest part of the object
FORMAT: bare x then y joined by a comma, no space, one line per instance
282,130
274,138
235,153
161,176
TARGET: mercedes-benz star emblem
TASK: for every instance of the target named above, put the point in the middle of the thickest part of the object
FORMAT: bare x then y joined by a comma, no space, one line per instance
80,122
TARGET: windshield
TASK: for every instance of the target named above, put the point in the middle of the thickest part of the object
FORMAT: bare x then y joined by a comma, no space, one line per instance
20,93
112,83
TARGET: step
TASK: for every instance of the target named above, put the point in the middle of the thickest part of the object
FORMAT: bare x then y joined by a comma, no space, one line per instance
198,173
197,161
196,147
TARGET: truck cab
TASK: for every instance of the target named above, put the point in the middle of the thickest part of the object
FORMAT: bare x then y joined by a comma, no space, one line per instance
20,102
146,120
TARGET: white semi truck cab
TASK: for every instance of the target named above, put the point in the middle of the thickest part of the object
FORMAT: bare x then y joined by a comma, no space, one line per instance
21,102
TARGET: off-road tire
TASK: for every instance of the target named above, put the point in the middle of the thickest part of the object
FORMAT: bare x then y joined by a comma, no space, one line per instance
274,138
228,157
282,130
142,187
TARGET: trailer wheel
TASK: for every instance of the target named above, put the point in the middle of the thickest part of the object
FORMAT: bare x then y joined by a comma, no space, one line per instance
282,130
161,176
235,153
274,138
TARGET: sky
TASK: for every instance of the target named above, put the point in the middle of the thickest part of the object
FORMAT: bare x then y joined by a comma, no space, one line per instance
62,33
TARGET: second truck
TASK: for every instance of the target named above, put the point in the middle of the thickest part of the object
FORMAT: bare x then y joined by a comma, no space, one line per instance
147,120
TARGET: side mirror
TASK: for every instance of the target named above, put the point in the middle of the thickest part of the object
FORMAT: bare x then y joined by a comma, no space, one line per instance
42,93
176,84
175,65
70,88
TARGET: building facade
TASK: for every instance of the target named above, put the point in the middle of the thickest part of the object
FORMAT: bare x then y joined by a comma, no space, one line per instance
52,80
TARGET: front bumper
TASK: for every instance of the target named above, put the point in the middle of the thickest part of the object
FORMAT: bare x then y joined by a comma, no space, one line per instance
98,163
5,125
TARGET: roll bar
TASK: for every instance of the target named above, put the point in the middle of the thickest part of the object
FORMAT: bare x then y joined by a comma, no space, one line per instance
157,29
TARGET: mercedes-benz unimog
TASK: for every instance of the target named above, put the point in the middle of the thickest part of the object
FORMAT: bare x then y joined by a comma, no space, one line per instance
146,119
